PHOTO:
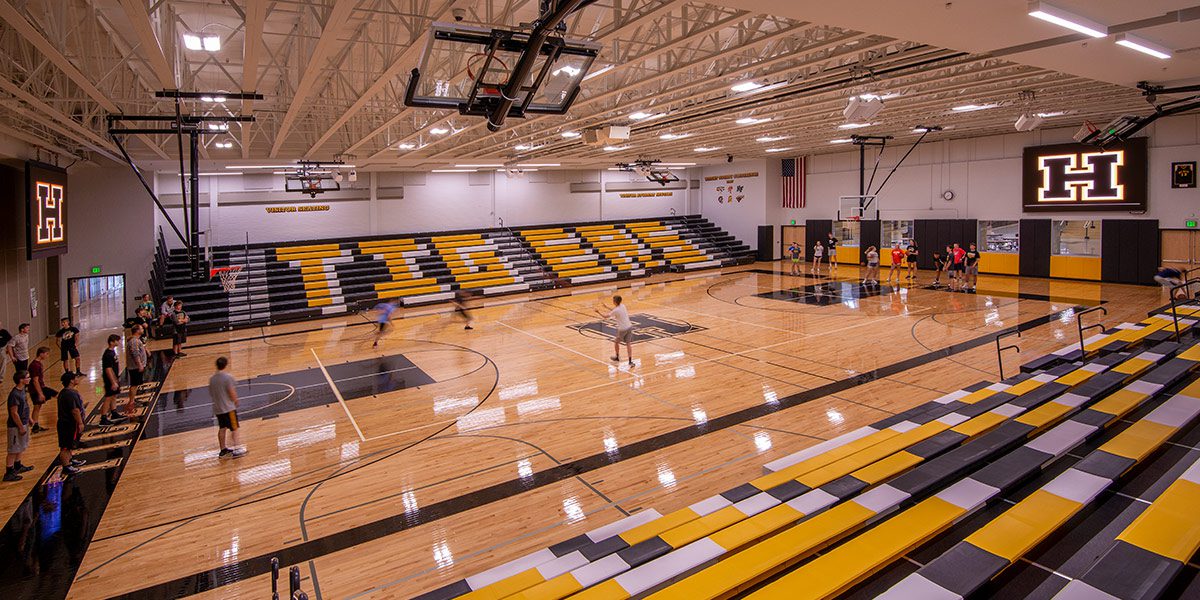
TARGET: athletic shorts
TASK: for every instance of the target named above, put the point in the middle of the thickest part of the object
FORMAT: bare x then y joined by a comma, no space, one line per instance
625,335
21,365
111,390
68,438
180,336
958,267
66,352
17,443
136,377
973,270
382,326
47,393
796,259
872,265
228,420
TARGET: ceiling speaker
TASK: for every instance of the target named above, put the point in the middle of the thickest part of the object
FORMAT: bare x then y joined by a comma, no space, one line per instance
1028,122
859,110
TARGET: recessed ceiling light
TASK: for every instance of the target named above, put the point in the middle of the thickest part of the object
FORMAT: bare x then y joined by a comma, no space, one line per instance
766,139
439,131
854,125
406,146
973,107
571,134
841,141
1143,45
707,148
751,120
746,86
1053,14
642,116
674,136
778,149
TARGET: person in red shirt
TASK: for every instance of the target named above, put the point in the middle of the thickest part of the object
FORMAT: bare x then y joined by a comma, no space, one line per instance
38,392
897,263
958,268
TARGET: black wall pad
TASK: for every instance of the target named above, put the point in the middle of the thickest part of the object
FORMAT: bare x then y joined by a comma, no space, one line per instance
1129,250
766,242
816,230
870,233
1035,248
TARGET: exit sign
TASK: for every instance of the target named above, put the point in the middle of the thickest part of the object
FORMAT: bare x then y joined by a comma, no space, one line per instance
1189,223
96,269
794,222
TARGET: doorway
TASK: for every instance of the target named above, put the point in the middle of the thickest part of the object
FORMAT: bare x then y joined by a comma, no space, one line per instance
1181,249
789,234
96,302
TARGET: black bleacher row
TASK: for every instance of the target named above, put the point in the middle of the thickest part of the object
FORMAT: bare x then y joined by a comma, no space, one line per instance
293,281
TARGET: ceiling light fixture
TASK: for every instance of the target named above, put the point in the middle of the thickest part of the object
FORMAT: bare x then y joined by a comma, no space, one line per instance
195,41
766,139
614,148
452,171
778,149
242,167
854,125
1053,14
751,120
599,72
537,165
571,134
1143,45
218,126
1048,115
483,166
680,164
841,141
674,136
746,86
707,148
568,69
405,146
973,107
523,147
439,131
642,116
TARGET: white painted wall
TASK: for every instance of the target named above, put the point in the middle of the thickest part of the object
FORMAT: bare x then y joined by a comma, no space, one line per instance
740,218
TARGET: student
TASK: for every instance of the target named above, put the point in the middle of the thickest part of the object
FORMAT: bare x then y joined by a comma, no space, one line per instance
70,422
136,359
222,388
958,268
460,307
911,255
832,243
18,427
797,253
897,263
818,254
383,319
1168,278
140,317
147,304
971,260
180,319
620,315
110,366
167,309
5,338
67,339
872,276
39,394
18,348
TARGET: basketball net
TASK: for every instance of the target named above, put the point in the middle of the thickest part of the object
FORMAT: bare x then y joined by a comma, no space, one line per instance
229,276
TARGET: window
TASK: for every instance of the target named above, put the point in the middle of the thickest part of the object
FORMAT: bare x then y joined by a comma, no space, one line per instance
847,233
1075,238
896,232
1000,236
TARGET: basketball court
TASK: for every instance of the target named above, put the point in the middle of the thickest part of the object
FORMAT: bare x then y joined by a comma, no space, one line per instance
406,227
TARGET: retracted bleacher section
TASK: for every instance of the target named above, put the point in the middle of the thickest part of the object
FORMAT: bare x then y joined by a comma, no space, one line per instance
827,520
292,281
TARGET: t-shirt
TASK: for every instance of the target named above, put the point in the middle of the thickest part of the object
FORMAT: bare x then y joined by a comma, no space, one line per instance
1169,273
959,253
818,250
621,316
110,361
218,390
872,257
66,336
5,337
912,252
20,346
937,260
69,400
972,257
897,256
795,251
37,373
168,309
832,243
135,350
137,320
149,306
17,398
385,311
181,320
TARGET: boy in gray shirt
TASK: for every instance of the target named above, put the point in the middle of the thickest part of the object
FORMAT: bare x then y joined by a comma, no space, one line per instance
222,388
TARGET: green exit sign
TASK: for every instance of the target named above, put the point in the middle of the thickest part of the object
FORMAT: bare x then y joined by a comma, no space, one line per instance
1189,223
96,270
794,222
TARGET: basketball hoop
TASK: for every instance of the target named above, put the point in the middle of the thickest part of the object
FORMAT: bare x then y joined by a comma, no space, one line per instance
229,276
476,62
854,218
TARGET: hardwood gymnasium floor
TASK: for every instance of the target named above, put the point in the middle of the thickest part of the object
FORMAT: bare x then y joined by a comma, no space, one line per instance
388,472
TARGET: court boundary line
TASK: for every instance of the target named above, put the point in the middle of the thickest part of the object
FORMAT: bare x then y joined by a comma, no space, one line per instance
338,394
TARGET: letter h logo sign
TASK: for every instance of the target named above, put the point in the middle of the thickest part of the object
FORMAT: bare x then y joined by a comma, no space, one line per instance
50,212
1081,177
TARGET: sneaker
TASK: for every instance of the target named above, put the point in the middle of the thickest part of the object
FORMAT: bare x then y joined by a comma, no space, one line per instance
69,470
237,453
79,373
631,364
468,327
37,428
224,453
615,358
180,354
375,345
77,462
11,476
20,468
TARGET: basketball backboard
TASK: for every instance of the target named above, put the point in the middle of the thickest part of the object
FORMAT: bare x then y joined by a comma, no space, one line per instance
465,68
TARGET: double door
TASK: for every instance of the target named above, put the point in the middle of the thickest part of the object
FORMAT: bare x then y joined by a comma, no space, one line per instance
1181,248
789,234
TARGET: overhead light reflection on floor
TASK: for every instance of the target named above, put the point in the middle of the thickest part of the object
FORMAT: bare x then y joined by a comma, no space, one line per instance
835,417
442,555
528,387
265,472
762,441
539,405
666,477
306,437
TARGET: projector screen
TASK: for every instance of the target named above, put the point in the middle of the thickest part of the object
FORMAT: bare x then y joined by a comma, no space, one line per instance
46,215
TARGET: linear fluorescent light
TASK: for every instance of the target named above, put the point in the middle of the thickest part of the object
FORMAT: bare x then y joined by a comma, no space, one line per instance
452,171
1143,45
778,149
1047,115
841,141
642,116
523,147
674,136
972,107
766,139
571,134
673,164
707,148
522,166
484,166
614,148
751,121
405,146
240,167
1053,14
568,69
854,125
746,86
439,131
598,72
878,96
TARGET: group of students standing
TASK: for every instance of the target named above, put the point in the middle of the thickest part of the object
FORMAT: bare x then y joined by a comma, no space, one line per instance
960,265
820,251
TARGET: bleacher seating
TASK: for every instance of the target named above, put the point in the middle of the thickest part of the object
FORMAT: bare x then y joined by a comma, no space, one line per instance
292,281
826,519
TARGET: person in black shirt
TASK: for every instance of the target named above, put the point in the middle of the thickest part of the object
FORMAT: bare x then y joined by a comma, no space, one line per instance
911,253
70,423
141,317
831,242
939,265
972,262
5,338
180,319
110,373
68,344
18,427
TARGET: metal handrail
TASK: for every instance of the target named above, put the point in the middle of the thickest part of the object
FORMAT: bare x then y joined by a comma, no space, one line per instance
521,244
999,350
1079,324
1174,302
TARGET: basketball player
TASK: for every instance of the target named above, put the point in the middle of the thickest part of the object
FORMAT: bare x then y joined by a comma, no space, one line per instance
872,276
460,308
897,263
958,268
911,255
222,388
832,243
383,319
136,359
818,254
795,251
620,315
68,344
110,374
971,260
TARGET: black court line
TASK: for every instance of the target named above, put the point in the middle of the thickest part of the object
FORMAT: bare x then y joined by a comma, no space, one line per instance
847,292
260,565
43,543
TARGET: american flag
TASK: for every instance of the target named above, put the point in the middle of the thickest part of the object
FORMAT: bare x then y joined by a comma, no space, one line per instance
793,182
